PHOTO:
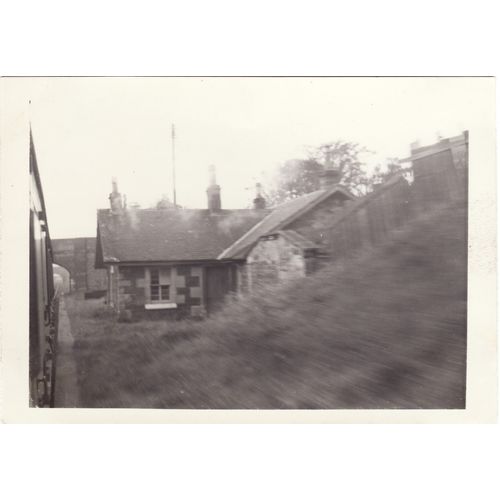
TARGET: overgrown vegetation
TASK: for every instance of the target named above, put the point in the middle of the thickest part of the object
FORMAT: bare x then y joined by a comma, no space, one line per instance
386,329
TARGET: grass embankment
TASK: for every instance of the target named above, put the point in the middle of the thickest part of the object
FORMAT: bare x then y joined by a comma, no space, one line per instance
386,329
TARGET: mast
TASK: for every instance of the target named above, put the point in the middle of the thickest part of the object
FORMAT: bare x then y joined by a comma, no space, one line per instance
173,165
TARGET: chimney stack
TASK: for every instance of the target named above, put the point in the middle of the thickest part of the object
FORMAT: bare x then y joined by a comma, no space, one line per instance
115,198
259,201
213,191
331,173
329,178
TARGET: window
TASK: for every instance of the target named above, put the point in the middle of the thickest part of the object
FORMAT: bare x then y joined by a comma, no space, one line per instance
159,285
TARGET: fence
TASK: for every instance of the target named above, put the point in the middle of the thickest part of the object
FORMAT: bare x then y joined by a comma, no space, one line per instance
369,220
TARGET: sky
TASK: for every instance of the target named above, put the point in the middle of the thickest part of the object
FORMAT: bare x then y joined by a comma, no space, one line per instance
87,130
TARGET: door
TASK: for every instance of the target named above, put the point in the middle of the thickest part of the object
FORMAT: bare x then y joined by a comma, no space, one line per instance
219,281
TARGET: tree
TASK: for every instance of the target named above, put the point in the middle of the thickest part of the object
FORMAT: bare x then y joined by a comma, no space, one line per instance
382,174
295,178
298,177
344,157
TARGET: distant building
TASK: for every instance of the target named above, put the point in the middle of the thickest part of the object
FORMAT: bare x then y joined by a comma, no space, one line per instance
440,170
183,262
77,257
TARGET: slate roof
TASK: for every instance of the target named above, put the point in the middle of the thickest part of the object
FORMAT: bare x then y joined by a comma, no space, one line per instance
281,216
297,239
158,235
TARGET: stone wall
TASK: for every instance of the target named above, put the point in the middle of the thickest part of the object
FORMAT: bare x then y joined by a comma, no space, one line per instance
189,289
186,292
273,260
313,224
436,178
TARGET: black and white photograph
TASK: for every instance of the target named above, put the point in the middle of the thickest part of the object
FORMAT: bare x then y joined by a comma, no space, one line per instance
248,250
241,243
249,243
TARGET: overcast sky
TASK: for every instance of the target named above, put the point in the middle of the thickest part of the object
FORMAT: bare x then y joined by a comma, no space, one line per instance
87,130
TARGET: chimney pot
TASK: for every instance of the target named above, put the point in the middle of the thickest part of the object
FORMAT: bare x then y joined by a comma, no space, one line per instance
115,198
259,201
213,191
329,178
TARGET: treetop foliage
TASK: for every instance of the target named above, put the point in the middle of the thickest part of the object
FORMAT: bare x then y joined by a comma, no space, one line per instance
301,176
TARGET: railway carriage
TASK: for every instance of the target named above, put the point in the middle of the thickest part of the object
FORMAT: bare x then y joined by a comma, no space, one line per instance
44,304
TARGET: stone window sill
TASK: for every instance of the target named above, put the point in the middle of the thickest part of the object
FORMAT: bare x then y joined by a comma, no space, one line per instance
161,305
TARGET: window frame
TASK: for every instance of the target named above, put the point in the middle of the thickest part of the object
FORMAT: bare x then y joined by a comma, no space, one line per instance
158,285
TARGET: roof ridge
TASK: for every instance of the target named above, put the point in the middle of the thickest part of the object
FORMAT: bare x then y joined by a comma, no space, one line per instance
311,200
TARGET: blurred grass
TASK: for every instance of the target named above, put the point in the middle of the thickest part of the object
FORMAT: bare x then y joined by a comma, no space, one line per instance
385,329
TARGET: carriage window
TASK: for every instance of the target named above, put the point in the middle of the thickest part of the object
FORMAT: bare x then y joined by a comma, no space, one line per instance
159,286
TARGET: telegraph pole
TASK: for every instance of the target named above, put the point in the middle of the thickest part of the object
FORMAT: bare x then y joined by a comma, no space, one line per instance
173,164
